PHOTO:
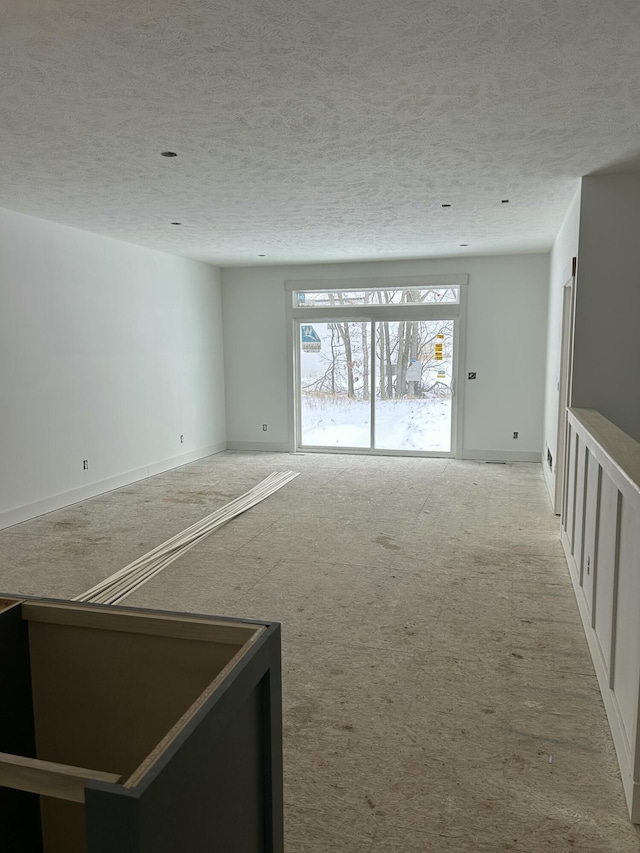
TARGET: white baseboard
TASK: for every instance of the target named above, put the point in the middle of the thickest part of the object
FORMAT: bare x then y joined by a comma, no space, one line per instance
548,478
91,490
614,716
481,455
502,455
266,446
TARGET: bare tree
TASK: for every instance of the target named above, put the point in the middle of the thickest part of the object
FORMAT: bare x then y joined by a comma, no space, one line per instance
395,345
364,332
345,334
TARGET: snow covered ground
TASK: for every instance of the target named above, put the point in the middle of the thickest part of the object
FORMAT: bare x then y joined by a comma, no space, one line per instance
400,424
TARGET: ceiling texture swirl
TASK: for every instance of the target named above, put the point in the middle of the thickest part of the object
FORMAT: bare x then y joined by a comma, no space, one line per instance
332,130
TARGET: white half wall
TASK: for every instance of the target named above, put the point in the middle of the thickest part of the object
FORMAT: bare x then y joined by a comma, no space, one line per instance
565,248
607,340
108,352
601,539
506,343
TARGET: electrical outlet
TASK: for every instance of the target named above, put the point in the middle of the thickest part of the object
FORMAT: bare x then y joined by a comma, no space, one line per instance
181,439
85,464
264,427
515,435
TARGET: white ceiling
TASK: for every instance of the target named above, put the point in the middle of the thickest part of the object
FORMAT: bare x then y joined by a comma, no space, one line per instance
314,131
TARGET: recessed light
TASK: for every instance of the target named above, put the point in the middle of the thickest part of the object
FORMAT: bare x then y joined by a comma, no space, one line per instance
505,201
168,154
445,205
176,223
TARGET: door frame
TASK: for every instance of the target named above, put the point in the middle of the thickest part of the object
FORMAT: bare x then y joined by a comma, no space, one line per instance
564,391
380,313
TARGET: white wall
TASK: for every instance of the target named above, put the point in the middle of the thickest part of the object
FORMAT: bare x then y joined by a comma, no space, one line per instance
506,340
607,333
108,352
565,248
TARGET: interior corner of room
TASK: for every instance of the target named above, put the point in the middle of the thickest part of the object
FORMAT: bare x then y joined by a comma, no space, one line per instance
163,360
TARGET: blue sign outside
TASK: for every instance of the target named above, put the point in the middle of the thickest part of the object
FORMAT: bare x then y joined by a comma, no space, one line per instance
309,335
310,339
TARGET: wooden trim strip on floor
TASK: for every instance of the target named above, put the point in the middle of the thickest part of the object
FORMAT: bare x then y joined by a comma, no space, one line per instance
123,582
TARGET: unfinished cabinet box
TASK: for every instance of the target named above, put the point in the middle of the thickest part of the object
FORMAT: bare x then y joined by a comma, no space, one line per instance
138,731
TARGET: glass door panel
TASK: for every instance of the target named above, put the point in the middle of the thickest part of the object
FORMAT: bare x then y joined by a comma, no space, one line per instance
334,384
413,379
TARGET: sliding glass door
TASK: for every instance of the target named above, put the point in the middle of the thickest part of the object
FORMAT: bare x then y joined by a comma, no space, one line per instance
413,387
334,385
376,385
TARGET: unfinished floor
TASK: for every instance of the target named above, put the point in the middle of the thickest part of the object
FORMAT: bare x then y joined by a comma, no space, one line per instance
438,691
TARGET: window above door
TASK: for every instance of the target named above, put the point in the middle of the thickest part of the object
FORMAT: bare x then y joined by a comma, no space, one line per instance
359,293
377,296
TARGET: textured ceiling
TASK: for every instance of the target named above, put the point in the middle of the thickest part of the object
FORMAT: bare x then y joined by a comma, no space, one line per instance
314,131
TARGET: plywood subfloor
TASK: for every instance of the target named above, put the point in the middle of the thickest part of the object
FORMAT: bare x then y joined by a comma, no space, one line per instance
438,691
